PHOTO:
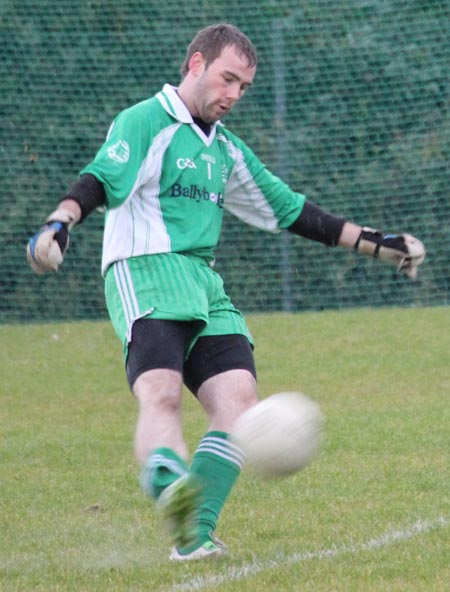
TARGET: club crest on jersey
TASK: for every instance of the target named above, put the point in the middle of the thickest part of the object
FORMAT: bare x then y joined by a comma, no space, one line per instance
119,152
225,174
208,158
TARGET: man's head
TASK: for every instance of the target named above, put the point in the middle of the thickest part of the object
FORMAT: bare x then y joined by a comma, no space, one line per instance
220,65
211,40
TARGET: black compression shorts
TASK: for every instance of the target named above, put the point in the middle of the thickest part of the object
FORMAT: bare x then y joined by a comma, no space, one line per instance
163,344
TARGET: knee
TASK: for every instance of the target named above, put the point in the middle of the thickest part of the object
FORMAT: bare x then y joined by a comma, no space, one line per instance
158,389
224,397
246,399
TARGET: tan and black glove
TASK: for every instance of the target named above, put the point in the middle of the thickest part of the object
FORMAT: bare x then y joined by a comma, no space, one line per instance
45,250
402,250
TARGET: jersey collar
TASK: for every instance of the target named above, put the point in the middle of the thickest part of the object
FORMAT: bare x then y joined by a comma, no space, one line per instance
172,103
169,99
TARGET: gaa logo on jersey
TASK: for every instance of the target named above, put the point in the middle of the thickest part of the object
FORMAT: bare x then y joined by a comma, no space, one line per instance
185,163
119,152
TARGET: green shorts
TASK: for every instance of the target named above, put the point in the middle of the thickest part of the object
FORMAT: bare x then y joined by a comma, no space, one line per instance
170,286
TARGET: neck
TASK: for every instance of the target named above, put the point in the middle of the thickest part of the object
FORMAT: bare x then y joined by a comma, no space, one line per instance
203,125
183,93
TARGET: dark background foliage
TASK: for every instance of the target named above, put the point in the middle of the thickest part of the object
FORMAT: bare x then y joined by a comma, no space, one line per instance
350,106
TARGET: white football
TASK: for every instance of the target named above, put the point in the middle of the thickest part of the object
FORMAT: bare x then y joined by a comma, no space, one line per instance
281,434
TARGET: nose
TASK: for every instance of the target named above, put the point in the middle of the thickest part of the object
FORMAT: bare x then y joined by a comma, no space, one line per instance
235,92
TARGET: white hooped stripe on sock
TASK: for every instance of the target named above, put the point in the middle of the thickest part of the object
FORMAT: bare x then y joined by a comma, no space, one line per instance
157,460
223,448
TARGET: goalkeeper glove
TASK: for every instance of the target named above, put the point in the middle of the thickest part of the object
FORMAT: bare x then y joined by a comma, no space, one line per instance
402,250
45,250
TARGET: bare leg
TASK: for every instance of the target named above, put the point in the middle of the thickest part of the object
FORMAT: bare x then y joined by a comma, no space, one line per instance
159,418
225,396
162,453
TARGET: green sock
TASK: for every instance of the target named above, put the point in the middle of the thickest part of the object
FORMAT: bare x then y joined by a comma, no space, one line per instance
217,462
162,467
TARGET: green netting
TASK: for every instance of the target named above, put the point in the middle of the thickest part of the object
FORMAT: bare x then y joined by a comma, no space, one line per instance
350,105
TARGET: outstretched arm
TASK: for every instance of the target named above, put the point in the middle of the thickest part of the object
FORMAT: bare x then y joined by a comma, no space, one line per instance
402,250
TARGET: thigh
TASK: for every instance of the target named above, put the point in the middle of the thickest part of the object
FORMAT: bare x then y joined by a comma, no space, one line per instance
216,354
158,344
225,396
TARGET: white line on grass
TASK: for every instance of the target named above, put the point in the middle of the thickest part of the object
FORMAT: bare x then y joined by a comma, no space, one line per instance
257,566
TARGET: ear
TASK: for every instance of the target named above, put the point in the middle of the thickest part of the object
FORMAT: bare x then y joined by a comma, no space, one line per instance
197,63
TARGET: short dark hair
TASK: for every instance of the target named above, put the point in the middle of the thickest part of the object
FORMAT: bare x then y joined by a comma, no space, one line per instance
211,40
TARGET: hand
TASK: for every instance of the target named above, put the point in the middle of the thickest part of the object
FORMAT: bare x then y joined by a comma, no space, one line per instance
403,250
45,250
414,254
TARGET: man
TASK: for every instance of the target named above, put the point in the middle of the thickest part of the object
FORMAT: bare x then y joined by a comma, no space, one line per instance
165,173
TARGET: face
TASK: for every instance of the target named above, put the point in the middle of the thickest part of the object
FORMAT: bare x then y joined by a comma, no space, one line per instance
216,89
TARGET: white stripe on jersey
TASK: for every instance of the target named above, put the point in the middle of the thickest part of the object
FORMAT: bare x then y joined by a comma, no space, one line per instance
255,209
137,226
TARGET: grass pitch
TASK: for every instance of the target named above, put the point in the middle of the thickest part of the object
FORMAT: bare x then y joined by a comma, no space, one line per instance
372,513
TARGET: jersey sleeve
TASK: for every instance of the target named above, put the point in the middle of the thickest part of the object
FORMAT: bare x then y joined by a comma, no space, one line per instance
118,161
257,196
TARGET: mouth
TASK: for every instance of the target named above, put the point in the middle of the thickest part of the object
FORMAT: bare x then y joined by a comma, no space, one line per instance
217,111
224,108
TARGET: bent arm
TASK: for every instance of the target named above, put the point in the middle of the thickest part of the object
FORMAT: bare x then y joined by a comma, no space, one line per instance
85,195
46,249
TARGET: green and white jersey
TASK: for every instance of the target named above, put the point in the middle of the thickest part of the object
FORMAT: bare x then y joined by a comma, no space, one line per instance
167,183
